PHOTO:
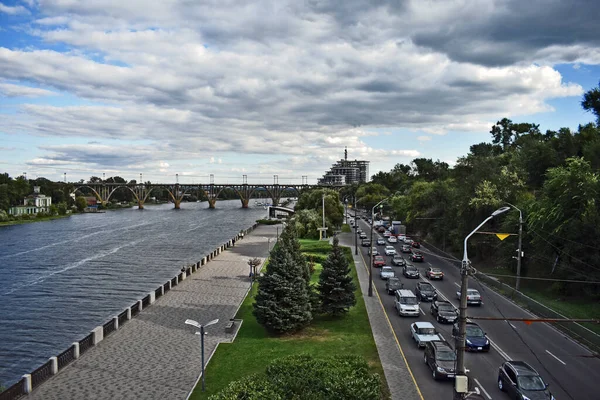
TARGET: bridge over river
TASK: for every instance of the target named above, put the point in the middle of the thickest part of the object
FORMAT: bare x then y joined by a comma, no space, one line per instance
177,191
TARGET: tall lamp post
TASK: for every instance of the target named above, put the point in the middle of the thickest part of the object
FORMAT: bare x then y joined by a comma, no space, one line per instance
355,229
462,321
371,253
520,250
201,333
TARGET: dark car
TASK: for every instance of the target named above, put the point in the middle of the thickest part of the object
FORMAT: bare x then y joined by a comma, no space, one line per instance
410,271
521,381
417,256
476,339
416,245
443,311
425,291
440,357
366,242
398,261
393,284
363,235
381,229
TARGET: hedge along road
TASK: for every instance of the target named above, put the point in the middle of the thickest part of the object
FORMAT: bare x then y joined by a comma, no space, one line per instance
62,278
570,369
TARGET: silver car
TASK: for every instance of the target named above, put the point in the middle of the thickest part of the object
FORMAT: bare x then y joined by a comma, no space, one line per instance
386,272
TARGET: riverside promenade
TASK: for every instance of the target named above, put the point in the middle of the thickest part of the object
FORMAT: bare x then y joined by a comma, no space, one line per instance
155,355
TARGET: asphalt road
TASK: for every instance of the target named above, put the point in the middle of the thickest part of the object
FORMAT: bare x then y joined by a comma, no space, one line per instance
565,365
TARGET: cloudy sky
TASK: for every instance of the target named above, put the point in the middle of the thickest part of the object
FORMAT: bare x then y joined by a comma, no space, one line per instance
232,87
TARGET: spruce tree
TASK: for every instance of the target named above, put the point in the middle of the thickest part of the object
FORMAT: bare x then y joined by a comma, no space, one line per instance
336,289
282,302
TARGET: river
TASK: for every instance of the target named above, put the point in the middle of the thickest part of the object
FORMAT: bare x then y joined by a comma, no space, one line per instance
60,279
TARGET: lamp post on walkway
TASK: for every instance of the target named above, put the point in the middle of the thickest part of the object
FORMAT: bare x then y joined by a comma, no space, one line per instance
520,249
355,228
201,333
462,321
371,250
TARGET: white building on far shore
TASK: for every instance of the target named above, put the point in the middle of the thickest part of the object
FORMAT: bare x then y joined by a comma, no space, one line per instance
32,204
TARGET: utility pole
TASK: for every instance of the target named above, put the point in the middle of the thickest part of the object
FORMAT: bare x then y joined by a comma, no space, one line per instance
520,250
323,202
355,229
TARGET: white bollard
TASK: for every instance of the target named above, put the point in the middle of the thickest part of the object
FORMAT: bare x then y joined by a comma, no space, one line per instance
27,383
98,333
76,350
152,297
54,368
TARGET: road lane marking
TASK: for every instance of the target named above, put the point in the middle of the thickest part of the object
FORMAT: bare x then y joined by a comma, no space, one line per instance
393,331
559,360
422,312
456,284
514,327
499,350
484,391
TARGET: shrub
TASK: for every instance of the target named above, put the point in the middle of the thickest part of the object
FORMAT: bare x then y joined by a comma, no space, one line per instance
336,289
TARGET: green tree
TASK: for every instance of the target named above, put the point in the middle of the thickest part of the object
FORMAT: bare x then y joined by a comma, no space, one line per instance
283,301
80,203
591,102
334,211
336,289
307,223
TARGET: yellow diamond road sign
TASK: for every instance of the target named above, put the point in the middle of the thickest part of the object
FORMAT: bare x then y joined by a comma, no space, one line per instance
502,236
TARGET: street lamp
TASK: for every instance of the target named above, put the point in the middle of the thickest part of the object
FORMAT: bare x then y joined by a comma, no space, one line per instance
462,320
355,229
520,250
201,333
371,252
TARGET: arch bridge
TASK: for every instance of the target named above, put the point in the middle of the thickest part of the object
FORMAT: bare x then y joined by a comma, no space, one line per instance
177,192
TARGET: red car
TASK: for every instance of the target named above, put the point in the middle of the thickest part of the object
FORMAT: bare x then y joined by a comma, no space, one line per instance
416,244
378,261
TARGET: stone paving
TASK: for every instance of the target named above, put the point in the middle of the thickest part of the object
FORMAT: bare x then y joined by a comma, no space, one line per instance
399,379
155,355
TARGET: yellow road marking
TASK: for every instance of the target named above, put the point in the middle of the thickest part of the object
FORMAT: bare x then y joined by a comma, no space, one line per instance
392,329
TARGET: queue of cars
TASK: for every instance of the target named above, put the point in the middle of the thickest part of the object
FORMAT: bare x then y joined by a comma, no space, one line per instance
517,378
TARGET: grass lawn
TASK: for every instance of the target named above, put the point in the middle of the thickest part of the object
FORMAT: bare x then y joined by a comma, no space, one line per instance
254,348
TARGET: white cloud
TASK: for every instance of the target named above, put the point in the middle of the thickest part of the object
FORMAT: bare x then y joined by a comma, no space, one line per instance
13,10
424,138
11,90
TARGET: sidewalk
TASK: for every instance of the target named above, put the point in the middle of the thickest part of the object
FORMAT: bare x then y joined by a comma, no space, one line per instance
399,379
155,355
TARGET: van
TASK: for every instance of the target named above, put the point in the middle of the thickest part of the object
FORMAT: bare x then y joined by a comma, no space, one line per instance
406,303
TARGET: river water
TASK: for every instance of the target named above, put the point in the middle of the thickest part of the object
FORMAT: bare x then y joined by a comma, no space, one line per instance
60,279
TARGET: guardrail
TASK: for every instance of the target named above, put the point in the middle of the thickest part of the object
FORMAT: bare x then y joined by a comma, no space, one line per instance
574,330
56,364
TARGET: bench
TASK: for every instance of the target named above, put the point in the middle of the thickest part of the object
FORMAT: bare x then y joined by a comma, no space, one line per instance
229,327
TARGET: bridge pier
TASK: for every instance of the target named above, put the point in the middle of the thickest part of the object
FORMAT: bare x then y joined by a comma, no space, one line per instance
244,203
140,205
211,203
177,204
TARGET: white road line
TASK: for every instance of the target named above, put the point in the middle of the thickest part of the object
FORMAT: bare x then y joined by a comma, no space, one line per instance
456,284
514,327
429,264
422,312
484,391
559,360
499,350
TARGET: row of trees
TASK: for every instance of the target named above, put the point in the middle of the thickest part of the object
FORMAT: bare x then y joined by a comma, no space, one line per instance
552,176
286,301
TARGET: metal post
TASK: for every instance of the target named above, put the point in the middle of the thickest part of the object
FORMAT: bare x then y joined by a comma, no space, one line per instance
371,257
518,283
346,213
202,346
323,202
355,229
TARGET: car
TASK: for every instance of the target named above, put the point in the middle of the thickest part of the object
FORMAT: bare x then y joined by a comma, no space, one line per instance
373,250
521,381
473,297
387,234
476,339
406,248
423,332
425,291
410,271
393,284
392,239
416,245
401,237
441,358
443,311
408,241
390,251
398,260
434,273
386,272
417,256
406,303
381,242
366,243
378,261
381,229
363,236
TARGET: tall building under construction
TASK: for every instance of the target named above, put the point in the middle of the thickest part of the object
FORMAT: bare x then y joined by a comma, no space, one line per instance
346,172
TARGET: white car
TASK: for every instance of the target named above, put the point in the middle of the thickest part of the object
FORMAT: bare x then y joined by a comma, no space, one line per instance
392,239
423,332
390,251
386,272
473,297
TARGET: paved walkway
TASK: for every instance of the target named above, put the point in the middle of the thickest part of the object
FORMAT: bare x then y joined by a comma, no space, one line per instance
155,355
399,379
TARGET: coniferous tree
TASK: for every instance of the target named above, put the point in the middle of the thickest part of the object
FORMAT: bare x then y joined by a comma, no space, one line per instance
282,302
336,289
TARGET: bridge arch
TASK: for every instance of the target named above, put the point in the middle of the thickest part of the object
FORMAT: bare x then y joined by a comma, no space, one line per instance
77,189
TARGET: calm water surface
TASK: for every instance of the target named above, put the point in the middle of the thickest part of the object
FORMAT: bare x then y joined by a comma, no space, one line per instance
60,279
